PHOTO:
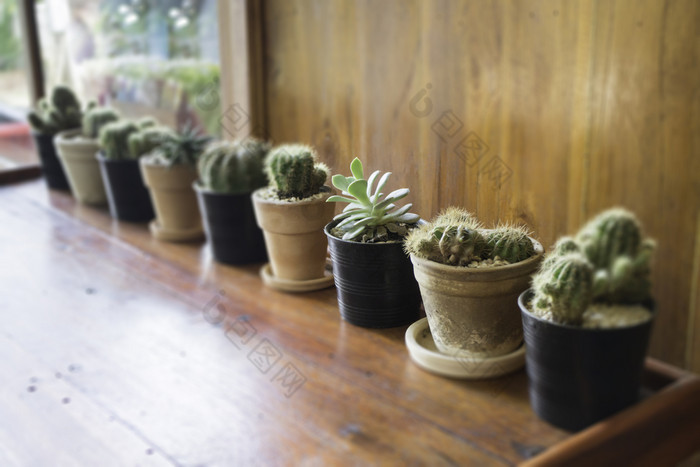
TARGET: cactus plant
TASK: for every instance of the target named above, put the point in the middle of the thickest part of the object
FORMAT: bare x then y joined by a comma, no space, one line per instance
114,139
510,243
565,289
95,118
368,216
147,139
184,147
60,112
293,171
233,167
455,237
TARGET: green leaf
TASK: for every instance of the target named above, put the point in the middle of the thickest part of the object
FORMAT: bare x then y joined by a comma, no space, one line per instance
340,182
370,182
380,185
357,169
342,215
402,210
354,233
409,218
340,199
358,189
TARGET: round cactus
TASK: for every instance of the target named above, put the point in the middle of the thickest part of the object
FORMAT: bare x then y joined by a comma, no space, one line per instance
459,245
147,139
613,233
233,167
565,289
114,139
509,243
95,118
293,171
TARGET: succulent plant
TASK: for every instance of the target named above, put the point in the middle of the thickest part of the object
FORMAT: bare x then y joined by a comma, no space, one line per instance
510,243
60,112
95,118
367,216
233,167
565,289
114,139
147,139
184,147
293,171
455,237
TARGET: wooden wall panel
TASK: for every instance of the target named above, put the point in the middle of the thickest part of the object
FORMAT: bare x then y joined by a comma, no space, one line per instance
534,111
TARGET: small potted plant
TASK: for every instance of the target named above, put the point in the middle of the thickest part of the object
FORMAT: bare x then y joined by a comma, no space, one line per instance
587,321
373,275
228,173
169,172
60,112
122,143
292,211
470,279
77,150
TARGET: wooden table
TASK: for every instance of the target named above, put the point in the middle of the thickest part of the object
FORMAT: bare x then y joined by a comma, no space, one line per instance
117,349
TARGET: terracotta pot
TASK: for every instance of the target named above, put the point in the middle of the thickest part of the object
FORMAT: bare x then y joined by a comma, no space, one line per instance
474,312
578,376
294,238
77,155
50,165
174,200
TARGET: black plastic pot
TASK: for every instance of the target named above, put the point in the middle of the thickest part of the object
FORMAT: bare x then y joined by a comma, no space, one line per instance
579,376
375,283
50,164
127,195
229,223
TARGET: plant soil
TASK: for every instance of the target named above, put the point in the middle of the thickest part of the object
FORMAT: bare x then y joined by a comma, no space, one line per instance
389,233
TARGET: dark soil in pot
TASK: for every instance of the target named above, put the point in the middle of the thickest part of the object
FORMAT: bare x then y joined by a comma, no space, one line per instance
375,282
229,223
578,376
50,165
127,195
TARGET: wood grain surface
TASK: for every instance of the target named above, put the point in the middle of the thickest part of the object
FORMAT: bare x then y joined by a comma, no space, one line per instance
532,111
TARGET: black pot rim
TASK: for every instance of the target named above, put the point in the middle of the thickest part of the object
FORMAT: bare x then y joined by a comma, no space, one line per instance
196,185
331,224
526,295
101,157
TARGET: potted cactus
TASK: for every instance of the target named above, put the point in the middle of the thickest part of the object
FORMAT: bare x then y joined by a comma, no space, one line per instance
228,173
77,149
292,211
122,143
60,112
373,275
587,320
470,279
169,172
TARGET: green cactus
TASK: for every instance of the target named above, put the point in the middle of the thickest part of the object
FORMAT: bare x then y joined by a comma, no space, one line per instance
60,112
184,147
565,289
114,139
459,245
97,117
293,171
147,139
233,167
510,243
562,247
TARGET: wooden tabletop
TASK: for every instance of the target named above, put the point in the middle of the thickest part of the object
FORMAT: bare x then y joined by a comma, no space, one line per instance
117,349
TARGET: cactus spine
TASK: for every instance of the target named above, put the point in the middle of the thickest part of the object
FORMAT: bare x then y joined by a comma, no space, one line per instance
293,171
565,289
95,118
114,139
509,243
235,167
60,112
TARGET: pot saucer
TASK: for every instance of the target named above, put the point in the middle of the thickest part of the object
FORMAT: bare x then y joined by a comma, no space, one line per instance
424,353
167,235
287,285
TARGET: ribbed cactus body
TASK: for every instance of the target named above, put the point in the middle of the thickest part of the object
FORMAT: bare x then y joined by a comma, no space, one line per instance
114,139
147,139
97,117
293,171
613,233
509,243
459,245
565,289
60,112
235,167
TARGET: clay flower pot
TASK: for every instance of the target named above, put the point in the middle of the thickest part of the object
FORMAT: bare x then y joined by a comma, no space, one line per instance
473,312
578,376
50,165
77,155
127,195
174,200
294,238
